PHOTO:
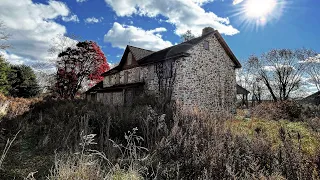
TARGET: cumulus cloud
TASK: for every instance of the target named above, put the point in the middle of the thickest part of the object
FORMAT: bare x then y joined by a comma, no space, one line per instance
14,59
44,66
32,27
92,20
121,35
185,15
235,2
71,18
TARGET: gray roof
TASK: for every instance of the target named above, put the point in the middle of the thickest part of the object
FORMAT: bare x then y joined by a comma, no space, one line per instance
181,50
139,53
172,51
313,98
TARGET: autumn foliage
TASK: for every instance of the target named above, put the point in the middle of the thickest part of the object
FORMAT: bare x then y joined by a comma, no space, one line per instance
83,63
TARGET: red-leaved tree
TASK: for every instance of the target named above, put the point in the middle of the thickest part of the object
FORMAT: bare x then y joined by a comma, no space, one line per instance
84,62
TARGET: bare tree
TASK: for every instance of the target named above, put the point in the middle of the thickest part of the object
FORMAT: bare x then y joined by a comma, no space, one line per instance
314,70
281,70
187,36
4,36
61,43
247,78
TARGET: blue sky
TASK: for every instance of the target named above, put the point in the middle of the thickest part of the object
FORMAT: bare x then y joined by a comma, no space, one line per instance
155,24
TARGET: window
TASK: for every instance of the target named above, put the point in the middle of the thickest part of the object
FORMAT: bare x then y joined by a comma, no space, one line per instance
206,45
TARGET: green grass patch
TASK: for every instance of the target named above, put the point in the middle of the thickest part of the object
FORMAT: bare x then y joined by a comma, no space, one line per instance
301,135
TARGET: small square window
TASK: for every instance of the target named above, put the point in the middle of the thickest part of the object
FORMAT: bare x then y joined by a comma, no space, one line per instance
206,45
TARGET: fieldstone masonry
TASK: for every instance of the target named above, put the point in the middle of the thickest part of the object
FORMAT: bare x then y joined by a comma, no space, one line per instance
203,79
206,79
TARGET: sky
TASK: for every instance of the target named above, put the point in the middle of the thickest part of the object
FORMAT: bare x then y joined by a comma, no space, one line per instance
250,27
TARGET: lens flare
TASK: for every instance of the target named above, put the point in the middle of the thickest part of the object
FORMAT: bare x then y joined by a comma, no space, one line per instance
259,8
254,14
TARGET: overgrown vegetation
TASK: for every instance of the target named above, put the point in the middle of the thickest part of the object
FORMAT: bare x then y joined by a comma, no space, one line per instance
143,142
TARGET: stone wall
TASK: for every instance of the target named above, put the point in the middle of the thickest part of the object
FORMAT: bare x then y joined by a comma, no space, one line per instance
206,79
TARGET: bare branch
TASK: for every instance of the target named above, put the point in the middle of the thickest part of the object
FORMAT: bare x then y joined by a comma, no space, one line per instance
4,36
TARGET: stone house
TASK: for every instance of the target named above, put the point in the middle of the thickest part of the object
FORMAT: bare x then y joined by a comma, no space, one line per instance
199,73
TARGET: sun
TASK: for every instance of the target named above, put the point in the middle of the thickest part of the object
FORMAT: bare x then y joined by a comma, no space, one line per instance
254,14
259,9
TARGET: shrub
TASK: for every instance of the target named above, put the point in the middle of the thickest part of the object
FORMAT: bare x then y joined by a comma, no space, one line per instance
288,110
13,107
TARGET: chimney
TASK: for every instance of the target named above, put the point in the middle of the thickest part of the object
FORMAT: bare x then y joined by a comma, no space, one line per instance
207,30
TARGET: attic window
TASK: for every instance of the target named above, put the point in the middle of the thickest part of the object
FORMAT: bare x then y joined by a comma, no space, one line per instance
206,45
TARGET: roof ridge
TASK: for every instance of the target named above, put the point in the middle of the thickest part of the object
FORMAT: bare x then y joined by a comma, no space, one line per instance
141,48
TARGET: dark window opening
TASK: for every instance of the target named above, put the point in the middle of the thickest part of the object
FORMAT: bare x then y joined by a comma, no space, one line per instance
206,45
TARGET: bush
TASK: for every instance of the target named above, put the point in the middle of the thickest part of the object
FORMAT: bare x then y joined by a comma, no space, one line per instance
13,107
286,110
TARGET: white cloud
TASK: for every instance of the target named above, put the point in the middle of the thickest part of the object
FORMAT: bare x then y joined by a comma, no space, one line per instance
72,18
93,20
80,1
269,68
121,35
12,58
32,27
201,2
184,14
315,59
43,66
235,2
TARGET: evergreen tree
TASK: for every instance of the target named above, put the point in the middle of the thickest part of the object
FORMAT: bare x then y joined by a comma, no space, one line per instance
22,80
4,70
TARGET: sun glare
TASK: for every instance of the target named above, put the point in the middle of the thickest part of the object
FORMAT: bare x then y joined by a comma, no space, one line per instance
259,8
258,13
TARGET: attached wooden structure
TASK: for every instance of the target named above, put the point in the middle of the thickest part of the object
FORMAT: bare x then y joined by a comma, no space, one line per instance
242,91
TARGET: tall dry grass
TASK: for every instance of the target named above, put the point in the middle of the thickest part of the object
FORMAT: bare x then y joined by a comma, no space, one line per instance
180,146
12,107
88,163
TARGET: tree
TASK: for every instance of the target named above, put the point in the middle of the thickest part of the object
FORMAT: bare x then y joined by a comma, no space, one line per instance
187,36
4,70
3,37
85,62
281,70
22,80
246,77
314,70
